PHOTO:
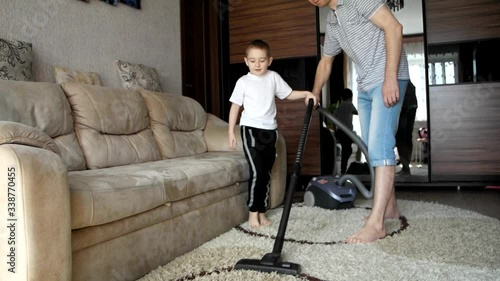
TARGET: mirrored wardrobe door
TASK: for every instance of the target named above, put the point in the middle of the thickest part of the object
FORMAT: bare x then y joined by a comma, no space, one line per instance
413,145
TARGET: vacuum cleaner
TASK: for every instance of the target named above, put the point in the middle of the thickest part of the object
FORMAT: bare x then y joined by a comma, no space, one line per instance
271,262
334,192
326,192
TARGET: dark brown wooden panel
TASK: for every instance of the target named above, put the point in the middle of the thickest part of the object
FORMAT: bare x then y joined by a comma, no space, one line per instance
200,63
290,117
462,20
465,131
288,26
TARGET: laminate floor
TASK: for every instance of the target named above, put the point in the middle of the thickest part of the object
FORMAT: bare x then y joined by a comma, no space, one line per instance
485,201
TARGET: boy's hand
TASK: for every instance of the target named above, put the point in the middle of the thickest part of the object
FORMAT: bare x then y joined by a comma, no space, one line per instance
309,96
232,141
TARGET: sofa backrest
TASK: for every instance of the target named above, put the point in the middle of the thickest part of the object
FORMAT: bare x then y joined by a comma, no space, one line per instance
177,123
45,107
112,125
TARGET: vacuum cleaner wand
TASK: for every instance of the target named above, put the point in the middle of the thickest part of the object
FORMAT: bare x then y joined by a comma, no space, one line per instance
271,261
366,193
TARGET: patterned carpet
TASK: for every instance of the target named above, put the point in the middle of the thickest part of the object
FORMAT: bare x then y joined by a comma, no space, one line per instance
431,242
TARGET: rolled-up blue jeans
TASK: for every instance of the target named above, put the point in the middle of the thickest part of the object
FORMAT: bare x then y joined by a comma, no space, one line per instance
379,124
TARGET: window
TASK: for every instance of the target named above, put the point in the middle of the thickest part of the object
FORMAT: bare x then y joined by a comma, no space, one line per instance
443,68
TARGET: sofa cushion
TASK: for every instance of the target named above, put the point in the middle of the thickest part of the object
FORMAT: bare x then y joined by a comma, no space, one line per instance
42,106
177,123
105,195
112,125
137,76
89,236
16,60
63,75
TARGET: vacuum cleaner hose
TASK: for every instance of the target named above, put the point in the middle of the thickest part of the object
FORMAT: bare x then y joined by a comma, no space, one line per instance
361,145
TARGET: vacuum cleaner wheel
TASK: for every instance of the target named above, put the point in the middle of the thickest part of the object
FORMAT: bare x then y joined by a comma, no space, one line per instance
309,199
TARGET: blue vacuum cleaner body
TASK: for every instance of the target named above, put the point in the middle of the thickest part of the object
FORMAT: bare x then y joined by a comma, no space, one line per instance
326,192
333,192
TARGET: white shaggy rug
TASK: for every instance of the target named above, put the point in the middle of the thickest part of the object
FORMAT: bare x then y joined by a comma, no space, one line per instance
431,242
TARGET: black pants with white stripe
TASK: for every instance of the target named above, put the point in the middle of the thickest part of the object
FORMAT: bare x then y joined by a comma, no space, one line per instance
259,146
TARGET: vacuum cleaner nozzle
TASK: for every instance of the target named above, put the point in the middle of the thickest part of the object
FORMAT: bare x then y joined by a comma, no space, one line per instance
269,263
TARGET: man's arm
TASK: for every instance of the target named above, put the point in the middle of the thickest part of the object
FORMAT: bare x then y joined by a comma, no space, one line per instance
322,74
385,20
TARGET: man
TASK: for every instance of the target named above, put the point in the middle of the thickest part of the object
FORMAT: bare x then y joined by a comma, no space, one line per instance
371,36
344,114
404,134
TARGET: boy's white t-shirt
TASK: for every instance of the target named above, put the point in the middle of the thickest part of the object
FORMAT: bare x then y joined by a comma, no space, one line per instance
257,96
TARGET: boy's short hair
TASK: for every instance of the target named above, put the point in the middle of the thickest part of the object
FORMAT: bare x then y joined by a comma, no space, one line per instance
259,44
346,94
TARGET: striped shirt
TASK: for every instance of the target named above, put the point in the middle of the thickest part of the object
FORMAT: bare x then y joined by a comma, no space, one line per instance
349,29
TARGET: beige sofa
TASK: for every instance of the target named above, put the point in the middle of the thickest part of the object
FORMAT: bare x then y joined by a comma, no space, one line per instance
107,184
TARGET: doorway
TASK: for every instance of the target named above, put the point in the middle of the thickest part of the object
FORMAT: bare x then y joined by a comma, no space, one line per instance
204,52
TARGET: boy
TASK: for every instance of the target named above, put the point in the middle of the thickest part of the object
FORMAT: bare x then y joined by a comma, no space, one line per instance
404,134
256,92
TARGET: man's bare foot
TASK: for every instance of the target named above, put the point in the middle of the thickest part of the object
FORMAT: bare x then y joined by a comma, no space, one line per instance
253,219
393,215
388,216
369,233
263,220
392,211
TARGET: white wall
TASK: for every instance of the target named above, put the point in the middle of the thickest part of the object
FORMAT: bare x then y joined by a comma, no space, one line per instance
411,17
90,36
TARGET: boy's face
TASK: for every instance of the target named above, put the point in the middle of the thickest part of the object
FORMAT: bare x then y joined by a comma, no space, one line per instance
258,61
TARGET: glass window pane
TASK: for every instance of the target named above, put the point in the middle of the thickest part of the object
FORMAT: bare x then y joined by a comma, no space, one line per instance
438,68
450,72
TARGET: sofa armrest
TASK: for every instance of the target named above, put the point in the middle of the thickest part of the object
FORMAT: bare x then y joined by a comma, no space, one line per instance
216,134
217,140
18,133
35,203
